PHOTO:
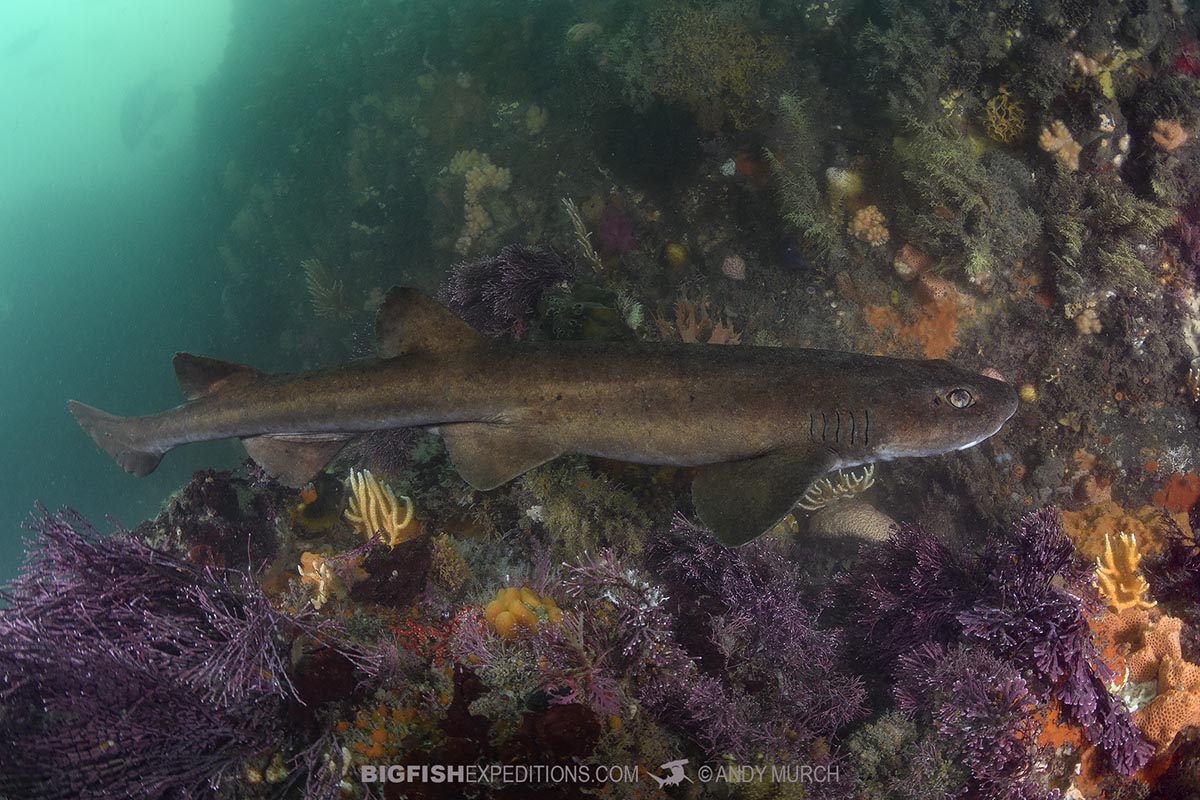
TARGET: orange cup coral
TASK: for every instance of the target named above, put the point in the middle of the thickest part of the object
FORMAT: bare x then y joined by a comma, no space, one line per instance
1168,134
520,609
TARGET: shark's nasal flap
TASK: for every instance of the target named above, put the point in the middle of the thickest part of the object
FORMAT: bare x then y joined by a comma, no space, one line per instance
740,500
410,322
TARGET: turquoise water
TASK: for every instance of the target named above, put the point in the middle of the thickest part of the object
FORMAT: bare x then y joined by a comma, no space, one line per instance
105,241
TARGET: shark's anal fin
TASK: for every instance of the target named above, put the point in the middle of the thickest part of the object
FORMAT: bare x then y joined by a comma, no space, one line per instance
741,500
200,376
294,458
408,322
490,454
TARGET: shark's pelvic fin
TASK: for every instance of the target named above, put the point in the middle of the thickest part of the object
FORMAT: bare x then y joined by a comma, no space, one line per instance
487,454
200,376
294,458
408,322
740,500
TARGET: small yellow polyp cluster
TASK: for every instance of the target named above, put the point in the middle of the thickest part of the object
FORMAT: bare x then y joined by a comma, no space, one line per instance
1117,574
515,610
316,575
870,226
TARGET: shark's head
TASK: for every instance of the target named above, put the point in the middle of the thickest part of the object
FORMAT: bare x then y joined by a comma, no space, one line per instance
936,407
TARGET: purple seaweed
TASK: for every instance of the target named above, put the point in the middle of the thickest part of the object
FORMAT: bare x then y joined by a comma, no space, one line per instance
982,708
498,295
741,614
125,671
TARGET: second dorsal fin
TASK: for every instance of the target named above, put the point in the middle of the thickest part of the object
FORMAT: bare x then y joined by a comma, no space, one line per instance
200,376
409,322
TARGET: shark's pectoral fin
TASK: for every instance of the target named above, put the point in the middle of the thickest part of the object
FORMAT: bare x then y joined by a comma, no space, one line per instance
490,454
294,458
408,322
741,500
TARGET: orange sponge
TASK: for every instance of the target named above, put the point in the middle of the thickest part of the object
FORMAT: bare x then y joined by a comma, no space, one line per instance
517,609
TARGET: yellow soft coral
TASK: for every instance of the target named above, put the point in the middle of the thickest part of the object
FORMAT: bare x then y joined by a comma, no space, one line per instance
1118,577
514,610
374,507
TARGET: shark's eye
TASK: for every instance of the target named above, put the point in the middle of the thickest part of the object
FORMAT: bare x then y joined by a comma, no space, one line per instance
960,398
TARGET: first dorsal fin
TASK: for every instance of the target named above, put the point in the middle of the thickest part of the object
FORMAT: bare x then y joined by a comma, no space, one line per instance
408,322
200,376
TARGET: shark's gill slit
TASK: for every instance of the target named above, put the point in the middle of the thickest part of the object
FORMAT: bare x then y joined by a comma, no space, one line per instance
824,425
853,427
812,427
867,429
837,432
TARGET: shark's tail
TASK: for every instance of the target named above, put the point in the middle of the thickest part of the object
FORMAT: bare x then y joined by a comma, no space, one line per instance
119,438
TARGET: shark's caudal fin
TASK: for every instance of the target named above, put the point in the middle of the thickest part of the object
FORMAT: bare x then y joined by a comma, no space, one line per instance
119,436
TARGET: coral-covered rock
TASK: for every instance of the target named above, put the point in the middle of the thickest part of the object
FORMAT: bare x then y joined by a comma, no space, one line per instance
395,576
218,521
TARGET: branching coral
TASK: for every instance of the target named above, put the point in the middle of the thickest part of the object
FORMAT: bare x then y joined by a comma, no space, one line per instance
694,324
794,173
374,508
1057,140
1118,577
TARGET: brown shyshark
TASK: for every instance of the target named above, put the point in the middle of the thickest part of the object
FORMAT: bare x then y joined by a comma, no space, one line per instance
758,424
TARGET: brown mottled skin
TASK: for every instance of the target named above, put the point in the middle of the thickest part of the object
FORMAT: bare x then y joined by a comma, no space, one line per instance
761,423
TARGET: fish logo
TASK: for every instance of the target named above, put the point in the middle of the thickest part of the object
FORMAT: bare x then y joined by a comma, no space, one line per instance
675,774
